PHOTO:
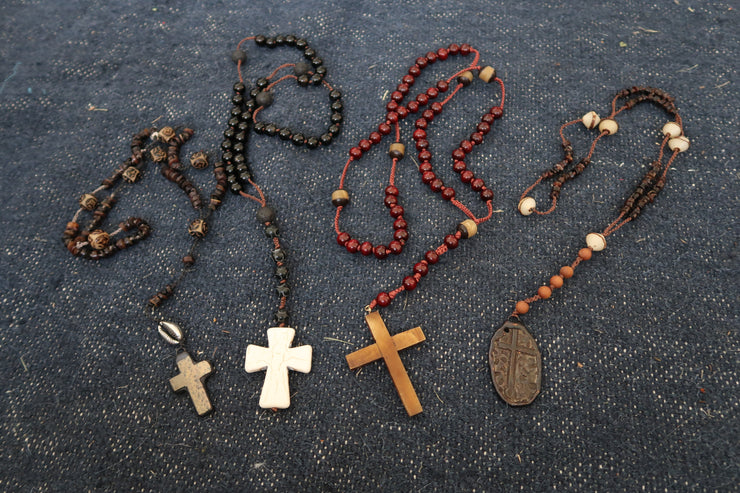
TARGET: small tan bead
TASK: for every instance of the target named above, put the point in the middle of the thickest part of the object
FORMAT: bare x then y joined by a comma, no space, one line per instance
596,241
487,74
556,282
397,150
199,160
88,202
158,154
198,228
527,206
166,134
544,292
584,254
131,174
609,126
566,272
590,120
340,198
467,228
680,144
98,239
467,75
672,129
522,307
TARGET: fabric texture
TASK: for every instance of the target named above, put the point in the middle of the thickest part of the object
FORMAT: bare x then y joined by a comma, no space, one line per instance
640,348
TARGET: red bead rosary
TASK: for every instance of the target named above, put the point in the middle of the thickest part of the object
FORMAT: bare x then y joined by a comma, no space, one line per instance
514,358
426,103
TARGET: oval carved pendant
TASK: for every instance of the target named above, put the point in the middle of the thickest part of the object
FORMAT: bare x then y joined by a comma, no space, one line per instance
516,364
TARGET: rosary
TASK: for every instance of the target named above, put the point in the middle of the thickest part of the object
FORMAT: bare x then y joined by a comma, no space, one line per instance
515,360
386,347
232,173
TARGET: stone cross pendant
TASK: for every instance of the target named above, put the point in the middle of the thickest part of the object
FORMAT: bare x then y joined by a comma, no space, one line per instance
191,378
387,348
277,359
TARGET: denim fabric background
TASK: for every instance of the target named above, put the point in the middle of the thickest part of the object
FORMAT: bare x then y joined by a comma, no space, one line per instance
640,349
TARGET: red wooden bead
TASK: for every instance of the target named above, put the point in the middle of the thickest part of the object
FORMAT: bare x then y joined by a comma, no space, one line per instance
352,245
465,49
476,138
375,137
497,111
428,177
442,53
355,152
422,99
409,283
488,118
421,269
365,145
343,238
391,106
486,195
442,86
451,241
408,80
458,154
414,71
425,166
432,92
477,184
412,106
380,252
401,235
454,49
459,166
383,299
392,117
467,176
436,108
400,223
390,201
402,112
419,134
421,123
391,190
448,193
397,96
395,247
431,57
431,257
483,128
428,114
421,62
422,144
436,185
366,248
425,155
384,128
466,146
403,89
396,211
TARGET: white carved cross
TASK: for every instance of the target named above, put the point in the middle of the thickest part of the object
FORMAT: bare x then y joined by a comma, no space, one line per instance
278,358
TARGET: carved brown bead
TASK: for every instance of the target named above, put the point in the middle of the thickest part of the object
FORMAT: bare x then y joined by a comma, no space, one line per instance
198,228
88,202
98,239
166,134
131,174
199,160
158,154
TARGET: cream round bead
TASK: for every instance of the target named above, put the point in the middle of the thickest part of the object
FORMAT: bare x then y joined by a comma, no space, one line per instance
680,143
609,126
487,74
590,120
672,130
527,206
596,241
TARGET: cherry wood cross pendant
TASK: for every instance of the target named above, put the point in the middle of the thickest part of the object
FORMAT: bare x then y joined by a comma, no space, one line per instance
191,378
387,348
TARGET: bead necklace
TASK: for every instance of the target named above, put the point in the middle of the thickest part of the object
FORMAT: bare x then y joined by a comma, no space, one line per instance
94,243
279,357
515,360
387,346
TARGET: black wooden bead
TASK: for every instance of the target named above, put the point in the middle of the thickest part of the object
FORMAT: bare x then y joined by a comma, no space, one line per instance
229,133
238,148
290,40
235,188
281,316
241,136
312,142
226,145
321,70
283,289
238,100
281,273
227,156
326,139
260,40
335,95
230,169
271,130
316,61
250,105
259,127
239,88
233,121
301,68
298,139
309,53
316,79
334,129
337,106
336,118
278,255
280,40
239,159
244,127
265,214
262,83
239,55
236,111
303,80
264,99
285,134
301,43
270,42
272,231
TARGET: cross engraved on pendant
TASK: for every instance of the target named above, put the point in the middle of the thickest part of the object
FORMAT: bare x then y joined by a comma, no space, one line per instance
191,377
277,359
387,348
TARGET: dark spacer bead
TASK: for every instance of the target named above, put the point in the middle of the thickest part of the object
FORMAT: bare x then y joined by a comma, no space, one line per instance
272,231
281,272
283,289
188,260
281,316
265,214
239,55
264,99
278,255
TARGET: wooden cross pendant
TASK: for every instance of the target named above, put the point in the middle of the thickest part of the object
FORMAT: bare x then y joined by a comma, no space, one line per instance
387,348
191,378
277,359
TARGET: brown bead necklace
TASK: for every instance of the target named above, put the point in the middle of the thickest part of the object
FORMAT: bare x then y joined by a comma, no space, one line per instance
95,244
515,359
386,347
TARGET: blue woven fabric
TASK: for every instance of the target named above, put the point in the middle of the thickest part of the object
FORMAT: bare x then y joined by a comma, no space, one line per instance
640,386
